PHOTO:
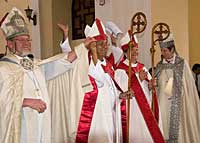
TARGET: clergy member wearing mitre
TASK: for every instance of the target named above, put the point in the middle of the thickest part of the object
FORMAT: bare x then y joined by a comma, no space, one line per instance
82,130
106,120
139,131
178,97
24,101
25,106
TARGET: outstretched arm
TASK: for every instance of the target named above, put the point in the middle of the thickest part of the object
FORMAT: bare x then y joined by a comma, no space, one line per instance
88,44
64,44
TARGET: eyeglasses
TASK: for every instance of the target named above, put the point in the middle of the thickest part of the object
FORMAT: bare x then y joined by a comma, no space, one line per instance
23,40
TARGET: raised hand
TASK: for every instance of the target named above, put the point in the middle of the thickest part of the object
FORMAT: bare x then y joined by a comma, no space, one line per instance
88,41
90,44
64,29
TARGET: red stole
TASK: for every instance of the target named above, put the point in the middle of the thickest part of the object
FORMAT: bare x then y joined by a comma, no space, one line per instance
87,111
143,104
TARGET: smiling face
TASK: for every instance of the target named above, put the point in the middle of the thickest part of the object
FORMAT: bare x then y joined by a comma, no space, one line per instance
134,54
167,53
20,45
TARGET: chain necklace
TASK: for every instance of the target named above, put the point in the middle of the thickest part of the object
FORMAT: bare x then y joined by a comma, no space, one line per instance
33,78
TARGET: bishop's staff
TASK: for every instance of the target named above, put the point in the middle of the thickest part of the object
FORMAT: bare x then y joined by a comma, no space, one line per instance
138,25
160,32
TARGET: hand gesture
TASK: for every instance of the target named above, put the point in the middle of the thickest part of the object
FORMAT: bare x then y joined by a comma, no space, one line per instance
64,29
71,56
152,83
126,95
88,42
142,75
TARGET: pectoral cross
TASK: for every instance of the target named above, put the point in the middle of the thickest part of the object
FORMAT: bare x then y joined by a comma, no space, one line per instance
26,63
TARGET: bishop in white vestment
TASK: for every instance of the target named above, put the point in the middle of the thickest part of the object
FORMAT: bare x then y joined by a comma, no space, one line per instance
25,104
178,97
138,129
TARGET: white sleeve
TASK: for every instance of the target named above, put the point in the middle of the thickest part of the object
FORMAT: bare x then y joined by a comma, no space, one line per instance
65,46
97,72
148,74
55,66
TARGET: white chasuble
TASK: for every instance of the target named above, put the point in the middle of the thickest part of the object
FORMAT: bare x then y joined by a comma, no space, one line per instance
24,84
67,84
180,110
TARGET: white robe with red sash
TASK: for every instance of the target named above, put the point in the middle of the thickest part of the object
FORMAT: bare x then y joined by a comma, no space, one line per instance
106,122
139,132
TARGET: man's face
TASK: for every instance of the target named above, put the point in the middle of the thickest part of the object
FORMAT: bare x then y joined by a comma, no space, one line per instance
167,54
21,45
102,48
134,53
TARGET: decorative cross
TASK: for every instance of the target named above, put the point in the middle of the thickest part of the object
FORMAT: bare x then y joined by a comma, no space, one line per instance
139,22
162,30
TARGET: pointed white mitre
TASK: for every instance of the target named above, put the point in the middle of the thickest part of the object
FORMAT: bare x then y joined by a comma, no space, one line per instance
97,30
126,39
112,28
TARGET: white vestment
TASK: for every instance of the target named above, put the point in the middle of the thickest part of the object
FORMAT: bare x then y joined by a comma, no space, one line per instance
36,128
106,122
66,92
138,131
180,106
11,90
